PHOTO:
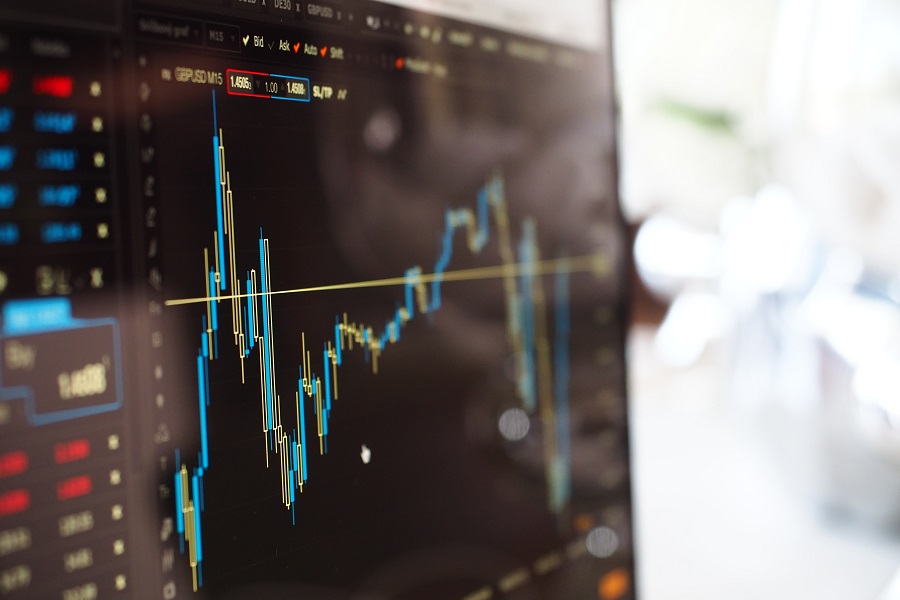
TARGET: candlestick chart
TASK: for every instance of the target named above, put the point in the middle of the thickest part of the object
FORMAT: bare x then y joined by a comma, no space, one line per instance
238,316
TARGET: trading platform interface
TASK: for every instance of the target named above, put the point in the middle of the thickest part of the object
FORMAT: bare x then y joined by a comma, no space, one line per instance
310,299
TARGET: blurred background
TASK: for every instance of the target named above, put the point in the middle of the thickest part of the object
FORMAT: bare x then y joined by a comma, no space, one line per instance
760,150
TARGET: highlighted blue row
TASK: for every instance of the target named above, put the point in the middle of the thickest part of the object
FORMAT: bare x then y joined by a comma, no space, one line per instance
42,316
33,316
56,232
58,196
44,121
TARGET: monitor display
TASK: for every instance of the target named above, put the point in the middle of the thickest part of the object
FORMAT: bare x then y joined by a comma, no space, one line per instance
311,300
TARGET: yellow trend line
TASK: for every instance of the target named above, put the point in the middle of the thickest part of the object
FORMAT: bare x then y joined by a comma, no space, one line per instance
600,264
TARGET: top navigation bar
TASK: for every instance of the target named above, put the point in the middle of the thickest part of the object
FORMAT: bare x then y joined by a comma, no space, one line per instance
578,24
393,37
581,24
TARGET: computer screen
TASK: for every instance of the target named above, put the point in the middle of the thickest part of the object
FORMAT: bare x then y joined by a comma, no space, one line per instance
312,300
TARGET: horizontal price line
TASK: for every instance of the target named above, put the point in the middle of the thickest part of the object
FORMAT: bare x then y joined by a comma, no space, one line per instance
599,264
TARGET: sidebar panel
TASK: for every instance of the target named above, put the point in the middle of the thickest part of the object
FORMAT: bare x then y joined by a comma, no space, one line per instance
64,447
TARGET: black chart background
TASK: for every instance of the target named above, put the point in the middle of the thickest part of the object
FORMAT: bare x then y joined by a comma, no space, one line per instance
445,506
